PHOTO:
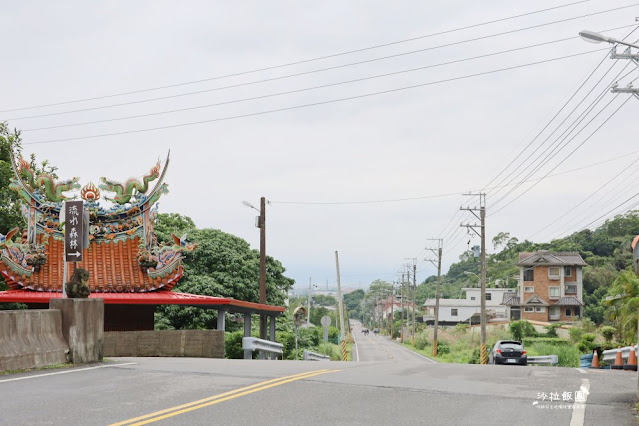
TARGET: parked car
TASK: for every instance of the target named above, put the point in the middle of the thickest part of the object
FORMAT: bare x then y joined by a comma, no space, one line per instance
508,352
376,330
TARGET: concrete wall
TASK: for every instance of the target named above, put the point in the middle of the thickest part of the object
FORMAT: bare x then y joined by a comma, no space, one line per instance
82,327
31,339
170,343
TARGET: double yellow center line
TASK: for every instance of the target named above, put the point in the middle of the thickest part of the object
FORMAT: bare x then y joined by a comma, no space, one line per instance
216,399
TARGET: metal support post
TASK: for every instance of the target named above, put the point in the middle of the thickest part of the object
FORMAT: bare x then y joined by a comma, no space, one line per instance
248,354
272,334
221,320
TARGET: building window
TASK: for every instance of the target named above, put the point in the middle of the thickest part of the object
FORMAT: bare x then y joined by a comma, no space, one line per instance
488,296
472,297
571,289
553,292
529,289
529,274
568,312
553,272
453,312
529,309
540,309
568,271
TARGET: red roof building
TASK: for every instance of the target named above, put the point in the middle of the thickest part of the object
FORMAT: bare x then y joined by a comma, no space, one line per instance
127,266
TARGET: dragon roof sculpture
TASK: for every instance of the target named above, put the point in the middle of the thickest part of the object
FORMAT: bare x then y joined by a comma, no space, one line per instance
123,254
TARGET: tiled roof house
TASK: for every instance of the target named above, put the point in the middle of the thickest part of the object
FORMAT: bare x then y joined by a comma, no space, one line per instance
550,287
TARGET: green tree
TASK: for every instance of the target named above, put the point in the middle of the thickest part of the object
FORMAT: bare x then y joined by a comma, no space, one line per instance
222,265
623,303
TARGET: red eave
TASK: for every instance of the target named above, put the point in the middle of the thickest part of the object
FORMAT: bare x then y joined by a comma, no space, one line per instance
147,298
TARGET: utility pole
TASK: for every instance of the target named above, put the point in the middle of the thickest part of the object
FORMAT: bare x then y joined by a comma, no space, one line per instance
401,327
261,223
482,235
414,295
438,264
339,298
414,286
392,309
309,301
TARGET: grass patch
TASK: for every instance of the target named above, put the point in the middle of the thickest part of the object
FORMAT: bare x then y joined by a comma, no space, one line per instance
46,367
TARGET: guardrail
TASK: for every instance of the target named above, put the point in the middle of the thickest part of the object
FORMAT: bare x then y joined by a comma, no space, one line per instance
611,354
254,344
313,356
544,360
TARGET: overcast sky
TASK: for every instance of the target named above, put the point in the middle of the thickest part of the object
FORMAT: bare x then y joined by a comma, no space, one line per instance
440,139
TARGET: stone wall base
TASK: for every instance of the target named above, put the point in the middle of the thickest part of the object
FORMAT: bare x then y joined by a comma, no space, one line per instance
168,343
82,327
31,339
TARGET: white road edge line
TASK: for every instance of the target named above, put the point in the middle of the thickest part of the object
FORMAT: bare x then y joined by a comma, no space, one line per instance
65,372
579,410
581,370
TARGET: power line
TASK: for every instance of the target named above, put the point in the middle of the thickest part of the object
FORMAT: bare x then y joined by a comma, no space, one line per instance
365,95
557,114
323,86
573,151
559,143
316,71
307,60
572,209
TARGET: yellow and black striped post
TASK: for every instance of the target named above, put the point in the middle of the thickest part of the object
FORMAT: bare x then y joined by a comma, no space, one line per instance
484,358
435,348
344,355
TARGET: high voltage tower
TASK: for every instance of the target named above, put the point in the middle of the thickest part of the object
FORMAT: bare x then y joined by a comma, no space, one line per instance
482,234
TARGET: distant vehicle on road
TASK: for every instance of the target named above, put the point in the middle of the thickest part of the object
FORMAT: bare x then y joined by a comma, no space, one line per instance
508,352
376,330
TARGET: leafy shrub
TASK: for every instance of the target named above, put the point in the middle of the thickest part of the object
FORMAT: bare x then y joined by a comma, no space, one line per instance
475,357
421,340
588,325
608,332
587,343
461,328
521,329
443,348
575,334
233,345
551,330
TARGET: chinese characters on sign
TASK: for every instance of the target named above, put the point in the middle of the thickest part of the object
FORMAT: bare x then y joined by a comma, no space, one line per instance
73,234
565,400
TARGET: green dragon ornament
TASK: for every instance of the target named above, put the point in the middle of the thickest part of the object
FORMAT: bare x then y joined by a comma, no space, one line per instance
52,190
124,192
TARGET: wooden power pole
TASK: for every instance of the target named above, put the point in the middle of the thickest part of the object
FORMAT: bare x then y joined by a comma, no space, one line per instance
437,262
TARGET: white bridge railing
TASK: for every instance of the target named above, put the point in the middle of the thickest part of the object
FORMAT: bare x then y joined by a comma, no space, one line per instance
611,354
255,344
544,360
313,356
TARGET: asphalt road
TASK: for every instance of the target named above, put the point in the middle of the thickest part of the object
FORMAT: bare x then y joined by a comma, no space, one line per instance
373,347
188,391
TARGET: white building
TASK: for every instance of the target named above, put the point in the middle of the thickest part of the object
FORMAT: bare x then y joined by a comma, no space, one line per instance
453,311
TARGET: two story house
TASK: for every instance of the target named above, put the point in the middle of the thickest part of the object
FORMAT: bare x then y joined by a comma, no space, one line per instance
550,287
454,311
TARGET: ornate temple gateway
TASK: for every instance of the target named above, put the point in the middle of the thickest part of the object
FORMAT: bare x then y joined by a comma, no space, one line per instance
128,268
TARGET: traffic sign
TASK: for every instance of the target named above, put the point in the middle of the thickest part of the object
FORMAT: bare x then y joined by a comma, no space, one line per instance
73,231
325,321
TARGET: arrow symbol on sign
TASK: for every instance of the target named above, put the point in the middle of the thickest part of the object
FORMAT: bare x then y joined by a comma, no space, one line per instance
76,254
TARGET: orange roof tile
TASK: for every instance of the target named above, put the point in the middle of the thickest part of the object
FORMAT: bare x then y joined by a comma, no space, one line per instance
113,267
